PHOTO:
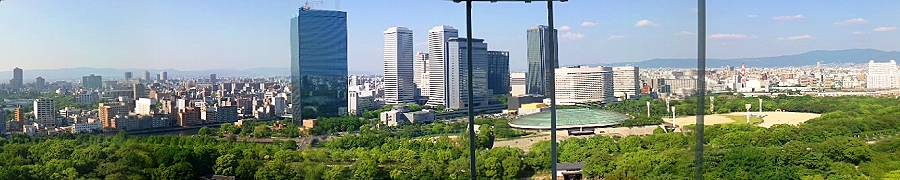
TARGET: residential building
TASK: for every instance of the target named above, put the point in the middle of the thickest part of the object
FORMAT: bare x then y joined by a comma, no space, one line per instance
40,83
318,63
882,75
87,98
582,84
139,91
188,117
436,69
626,82
540,63
147,76
226,114
3,122
163,76
127,75
498,72
145,106
86,127
45,113
457,74
109,111
399,86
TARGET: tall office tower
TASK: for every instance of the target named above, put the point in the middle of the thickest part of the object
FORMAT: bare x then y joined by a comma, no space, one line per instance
539,61
517,83
163,76
436,71
579,85
212,79
318,64
498,72
882,75
40,83
399,87
419,66
147,76
626,82
139,91
45,113
16,81
128,75
144,106
457,73
92,82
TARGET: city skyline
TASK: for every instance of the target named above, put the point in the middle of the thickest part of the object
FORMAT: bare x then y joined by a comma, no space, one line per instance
253,36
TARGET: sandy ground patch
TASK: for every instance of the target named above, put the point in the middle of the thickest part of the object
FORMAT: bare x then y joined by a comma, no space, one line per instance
792,118
769,118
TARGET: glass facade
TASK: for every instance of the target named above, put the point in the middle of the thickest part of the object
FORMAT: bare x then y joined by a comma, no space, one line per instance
318,64
498,72
539,61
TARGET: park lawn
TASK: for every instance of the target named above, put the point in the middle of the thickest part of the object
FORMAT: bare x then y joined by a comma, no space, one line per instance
739,119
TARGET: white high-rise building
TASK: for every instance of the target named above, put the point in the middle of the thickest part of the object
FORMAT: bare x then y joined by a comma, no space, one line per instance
457,73
45,113
626,82
419,66
882,75
576,85
399,86
436,71
144,106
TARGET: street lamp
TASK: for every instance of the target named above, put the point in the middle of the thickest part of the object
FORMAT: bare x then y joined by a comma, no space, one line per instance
748,112
648,108
760,106
551,84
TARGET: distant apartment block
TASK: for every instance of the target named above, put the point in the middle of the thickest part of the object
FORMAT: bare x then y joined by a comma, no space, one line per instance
882,75
626,82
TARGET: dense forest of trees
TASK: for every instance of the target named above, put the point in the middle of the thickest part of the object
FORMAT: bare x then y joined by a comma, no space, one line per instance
828,147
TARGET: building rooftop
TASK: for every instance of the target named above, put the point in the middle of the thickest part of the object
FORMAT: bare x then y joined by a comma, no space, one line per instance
570,118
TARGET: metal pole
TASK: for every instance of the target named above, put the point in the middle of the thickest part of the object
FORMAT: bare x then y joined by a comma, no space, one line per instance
469,88
701,85
552,89
648,108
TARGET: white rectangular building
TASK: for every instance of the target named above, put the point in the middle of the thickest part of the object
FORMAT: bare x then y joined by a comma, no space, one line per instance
144,106
582,84
882,75
45,113
517,83
399,84
436,72
626,82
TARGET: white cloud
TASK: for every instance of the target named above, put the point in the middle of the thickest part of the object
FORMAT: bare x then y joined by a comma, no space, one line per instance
588,24
564,28
785,18
753,16
858,32
885,29
851,22
686,33
616,37
795,38
646,23
572,36
730,36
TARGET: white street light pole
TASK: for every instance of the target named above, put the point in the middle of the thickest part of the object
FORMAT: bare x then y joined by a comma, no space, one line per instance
712,104
667,104
748,112
760,106
648,108
673,114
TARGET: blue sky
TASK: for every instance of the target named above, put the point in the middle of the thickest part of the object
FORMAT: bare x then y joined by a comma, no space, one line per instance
240,34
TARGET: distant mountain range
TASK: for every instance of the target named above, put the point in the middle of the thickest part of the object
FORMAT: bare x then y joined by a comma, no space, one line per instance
856,56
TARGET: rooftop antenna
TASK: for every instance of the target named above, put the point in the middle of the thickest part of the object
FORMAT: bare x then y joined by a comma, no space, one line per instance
307,6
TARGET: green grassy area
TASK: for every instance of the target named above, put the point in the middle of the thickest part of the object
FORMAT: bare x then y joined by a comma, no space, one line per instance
743,119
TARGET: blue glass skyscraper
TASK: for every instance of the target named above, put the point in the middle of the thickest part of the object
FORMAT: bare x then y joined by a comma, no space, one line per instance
318,64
